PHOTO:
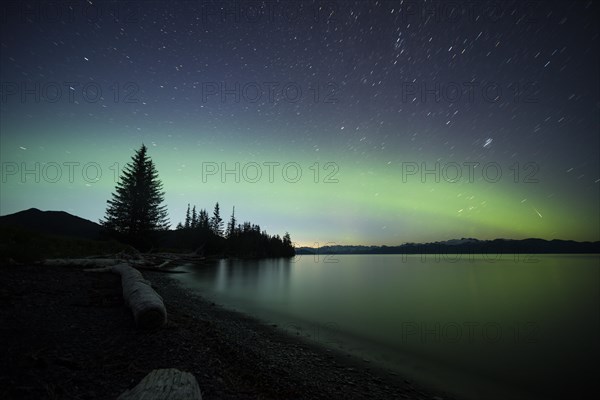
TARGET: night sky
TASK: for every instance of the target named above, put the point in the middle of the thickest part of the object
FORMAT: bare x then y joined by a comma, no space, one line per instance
498,101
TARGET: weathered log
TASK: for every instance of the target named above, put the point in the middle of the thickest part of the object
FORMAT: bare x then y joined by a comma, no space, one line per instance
147,306
81,262
165,384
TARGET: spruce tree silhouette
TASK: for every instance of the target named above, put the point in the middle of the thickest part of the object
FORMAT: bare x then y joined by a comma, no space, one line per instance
135,214
231,226
187,217
216,221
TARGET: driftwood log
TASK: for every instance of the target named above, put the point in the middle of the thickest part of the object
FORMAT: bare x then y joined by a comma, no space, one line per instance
147,306
165,384
81,262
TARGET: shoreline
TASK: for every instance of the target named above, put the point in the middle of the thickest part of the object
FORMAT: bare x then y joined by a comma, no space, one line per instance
67,334
307,350
435,379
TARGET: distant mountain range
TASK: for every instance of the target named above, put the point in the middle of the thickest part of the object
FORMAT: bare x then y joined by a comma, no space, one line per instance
65,224
465,246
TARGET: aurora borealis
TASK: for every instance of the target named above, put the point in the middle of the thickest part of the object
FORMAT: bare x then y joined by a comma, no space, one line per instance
496,101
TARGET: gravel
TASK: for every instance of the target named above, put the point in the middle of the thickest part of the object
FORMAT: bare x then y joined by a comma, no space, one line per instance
66,334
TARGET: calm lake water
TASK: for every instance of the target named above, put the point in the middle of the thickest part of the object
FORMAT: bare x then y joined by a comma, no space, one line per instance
494,327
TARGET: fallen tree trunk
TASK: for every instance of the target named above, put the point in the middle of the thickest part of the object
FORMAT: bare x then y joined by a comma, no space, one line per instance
147,306
165,384
81,262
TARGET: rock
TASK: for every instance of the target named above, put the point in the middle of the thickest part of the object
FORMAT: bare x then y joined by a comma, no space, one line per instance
165,384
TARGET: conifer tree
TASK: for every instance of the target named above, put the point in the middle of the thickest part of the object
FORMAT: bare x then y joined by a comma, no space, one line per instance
203,222
231,225
135,211
216,222
187,217
287,240
194,223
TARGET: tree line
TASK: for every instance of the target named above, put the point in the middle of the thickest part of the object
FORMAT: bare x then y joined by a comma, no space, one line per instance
210,235
135,215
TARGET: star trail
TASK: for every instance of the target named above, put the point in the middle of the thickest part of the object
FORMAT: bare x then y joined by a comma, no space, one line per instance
368,122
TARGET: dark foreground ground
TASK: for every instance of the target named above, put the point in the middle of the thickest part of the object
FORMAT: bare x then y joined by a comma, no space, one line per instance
66,334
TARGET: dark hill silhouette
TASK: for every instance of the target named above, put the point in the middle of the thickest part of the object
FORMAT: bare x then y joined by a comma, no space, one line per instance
53,223
64,224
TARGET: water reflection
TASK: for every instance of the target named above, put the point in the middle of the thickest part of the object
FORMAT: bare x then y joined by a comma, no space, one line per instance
253,275
257,284
469,323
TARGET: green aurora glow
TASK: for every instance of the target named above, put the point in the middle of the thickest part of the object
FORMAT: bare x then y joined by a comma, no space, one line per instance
369,203
368,132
